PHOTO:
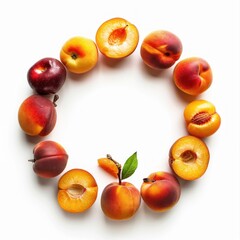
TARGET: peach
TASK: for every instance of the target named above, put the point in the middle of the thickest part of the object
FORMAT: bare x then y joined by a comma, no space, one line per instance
201,118
77,191
79,54
117,38
189,157
50,159
120,201
161,49
160,191
37,115
192,75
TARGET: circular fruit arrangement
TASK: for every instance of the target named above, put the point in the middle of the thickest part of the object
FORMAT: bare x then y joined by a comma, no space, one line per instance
189,155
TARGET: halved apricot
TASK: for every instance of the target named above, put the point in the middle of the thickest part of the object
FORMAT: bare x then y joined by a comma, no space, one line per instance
117,38
77,191
189,157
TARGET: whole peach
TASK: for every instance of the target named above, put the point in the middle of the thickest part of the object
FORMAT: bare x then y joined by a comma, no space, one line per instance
160,191
37,115
193,75
50,159
120,201
161,49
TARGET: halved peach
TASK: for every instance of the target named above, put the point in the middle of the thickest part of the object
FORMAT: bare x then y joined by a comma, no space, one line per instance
77,191
117,38
201,118
189,157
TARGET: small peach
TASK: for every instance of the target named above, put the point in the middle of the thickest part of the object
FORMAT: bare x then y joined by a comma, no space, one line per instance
193,75
37,115
77,191
121,200
189,157
201,118
117,38
161,49
79,54
160,191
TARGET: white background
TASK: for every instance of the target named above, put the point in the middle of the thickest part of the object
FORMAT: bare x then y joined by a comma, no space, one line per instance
119,108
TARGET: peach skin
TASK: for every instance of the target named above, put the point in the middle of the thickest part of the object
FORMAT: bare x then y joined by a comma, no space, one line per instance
161,49
160,191
201,118
189,157
117,38
37,115
120,201
192,75
77,191
79,54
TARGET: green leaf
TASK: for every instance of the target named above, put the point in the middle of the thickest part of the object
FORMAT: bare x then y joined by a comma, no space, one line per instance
130,166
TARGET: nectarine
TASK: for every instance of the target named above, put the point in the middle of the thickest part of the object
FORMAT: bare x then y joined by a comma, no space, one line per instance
160,191
161,49
193,75
37,115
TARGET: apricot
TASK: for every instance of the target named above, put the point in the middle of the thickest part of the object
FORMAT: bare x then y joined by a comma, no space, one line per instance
50,159
117,38
189,157
79,54
77,191
160,191
160,49
201,118
192,75
120,201
37,115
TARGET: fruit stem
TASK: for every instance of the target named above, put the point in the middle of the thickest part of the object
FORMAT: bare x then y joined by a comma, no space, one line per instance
55,98
119,168
31,160
147,180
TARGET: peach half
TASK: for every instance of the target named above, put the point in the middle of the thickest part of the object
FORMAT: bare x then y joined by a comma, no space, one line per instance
192,75
77,191
79,54
189,157
201,118
117,38
161,49
160,191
